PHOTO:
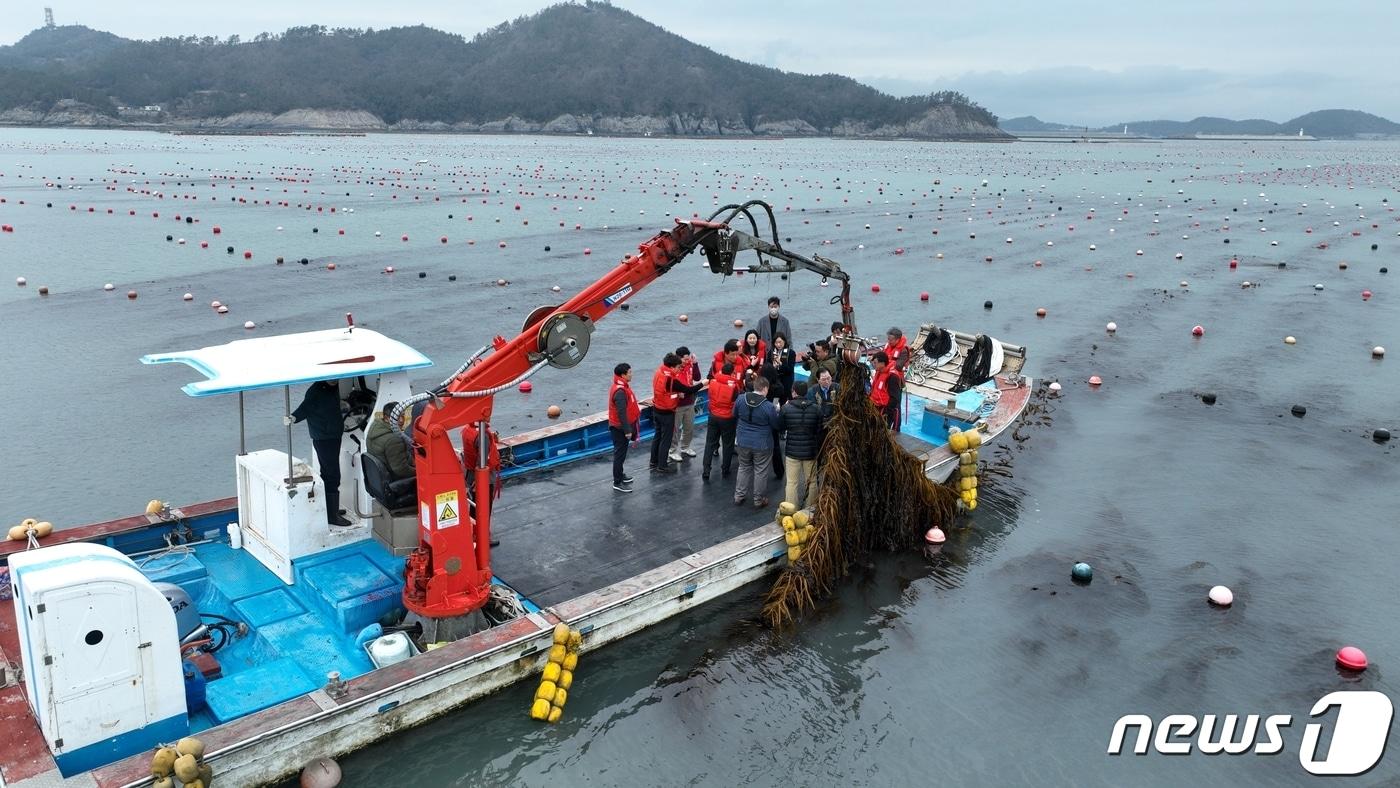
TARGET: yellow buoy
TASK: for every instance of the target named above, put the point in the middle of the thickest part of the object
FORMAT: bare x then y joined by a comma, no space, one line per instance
561,633
206,773
802,519
28,522
163,782
546,691
794,553
557,652
792,538
566,679
575,640
163,762
552,671
190,746
18,533
958,442
570,661
187,768
561,696
788,523
154,506
787,508
806,534
974,438
555,713
43,529
972,504
966,458
539,710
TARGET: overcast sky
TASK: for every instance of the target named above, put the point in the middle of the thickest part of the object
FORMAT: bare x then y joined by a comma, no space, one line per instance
1073,61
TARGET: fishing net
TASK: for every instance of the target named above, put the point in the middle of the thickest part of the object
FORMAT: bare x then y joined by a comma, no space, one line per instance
872,495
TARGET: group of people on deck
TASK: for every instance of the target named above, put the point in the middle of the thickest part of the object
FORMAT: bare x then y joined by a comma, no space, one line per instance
761,420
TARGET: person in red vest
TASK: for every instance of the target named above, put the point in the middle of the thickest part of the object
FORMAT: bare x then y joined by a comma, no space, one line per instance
624,423
688,373
751,353
667,389
897,349
729,354
886,389
719,433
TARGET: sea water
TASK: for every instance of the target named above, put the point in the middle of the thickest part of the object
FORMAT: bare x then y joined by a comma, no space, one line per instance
982,664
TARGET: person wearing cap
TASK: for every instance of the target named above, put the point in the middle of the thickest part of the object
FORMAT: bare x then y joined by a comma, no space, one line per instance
897,349
688,374
773,324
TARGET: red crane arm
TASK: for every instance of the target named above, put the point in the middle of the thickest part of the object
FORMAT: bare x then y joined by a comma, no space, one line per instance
450,574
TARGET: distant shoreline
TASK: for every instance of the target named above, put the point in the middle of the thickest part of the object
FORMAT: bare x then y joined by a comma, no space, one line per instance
186,131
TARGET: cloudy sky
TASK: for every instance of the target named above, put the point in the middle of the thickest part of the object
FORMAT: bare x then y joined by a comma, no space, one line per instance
1073,61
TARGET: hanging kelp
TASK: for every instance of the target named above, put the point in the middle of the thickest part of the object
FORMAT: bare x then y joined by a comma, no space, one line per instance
872,495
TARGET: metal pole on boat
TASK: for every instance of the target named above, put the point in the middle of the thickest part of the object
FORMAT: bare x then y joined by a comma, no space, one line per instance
287,405
242,428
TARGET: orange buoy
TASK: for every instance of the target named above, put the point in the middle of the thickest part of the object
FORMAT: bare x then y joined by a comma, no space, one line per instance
554,412
1095,380
684,318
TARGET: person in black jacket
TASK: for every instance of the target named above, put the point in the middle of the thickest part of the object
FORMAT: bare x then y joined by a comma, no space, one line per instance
320,409
801,421
780,369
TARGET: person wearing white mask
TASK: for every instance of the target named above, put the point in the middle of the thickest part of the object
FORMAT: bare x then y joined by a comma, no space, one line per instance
773,324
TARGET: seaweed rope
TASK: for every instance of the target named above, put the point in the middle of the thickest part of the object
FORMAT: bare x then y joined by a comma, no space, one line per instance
872,495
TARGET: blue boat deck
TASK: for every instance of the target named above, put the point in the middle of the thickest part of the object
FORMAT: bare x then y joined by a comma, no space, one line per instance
298,633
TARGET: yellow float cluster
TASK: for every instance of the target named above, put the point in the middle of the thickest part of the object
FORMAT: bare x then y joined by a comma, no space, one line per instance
797,528
965,444
182,764
558,674
40,529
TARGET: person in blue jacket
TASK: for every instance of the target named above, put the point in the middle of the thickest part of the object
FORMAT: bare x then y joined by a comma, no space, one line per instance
757,419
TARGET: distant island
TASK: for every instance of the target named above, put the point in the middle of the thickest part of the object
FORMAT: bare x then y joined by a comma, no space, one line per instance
1327,123
570,69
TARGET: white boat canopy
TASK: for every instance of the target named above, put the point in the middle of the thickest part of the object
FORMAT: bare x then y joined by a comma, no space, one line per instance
290,359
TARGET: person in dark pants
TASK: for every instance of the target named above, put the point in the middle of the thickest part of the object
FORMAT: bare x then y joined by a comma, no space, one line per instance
624,423
719,433
667,389
320,409
886,389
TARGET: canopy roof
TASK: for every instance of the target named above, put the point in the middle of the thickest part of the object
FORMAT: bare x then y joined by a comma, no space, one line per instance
290,359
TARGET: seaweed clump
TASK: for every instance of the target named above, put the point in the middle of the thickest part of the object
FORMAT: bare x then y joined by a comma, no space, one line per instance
872,495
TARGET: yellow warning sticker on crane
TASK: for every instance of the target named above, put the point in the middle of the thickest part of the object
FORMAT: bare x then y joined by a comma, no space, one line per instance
448,512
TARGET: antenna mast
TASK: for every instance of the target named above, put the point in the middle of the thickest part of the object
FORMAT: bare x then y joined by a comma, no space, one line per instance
48,18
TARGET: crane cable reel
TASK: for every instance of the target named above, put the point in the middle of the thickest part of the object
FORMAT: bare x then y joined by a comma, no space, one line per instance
564,340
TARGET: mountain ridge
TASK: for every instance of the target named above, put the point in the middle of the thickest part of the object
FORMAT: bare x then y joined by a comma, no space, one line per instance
571,68
1328,123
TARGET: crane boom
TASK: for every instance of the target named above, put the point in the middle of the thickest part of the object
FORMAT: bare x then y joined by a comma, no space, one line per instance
449,574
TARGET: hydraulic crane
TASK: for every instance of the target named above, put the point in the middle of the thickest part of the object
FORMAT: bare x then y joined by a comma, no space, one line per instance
449,574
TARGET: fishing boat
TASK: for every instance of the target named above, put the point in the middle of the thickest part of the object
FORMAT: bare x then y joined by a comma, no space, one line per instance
274,637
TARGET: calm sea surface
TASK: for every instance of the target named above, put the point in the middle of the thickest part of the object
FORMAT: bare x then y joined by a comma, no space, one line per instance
982,665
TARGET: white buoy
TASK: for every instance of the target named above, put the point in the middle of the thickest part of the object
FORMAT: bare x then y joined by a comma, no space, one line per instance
250,325
1092,247
215,304
321,773
1055,386
109,287
223,310
1112,327
1221,596
1290,341
21,281
1377,352
1318,286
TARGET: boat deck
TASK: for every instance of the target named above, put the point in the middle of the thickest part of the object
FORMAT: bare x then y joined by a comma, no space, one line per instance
565,531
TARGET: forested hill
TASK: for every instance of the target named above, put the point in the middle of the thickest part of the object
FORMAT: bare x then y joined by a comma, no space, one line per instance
570,68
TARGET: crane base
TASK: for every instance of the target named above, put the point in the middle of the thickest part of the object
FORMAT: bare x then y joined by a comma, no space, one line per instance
446,630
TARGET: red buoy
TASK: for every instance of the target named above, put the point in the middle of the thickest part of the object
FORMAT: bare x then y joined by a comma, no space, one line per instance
874,288
247,255
1352,658
923,296
1198,331
526,387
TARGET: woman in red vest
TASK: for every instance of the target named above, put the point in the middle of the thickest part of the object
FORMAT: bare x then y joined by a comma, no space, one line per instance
624,422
